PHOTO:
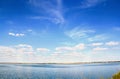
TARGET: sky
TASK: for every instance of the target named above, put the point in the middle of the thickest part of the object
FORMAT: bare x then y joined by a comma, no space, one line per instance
59,31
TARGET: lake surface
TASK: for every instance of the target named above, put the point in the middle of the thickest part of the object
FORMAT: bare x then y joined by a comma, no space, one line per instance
58,71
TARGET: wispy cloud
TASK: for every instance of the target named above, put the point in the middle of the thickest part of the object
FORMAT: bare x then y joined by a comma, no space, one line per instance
116,28
90,3
98,37
16,34
30,30
78,33
10,22
51,9
67,43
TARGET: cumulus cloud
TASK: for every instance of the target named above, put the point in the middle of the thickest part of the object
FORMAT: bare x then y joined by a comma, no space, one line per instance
63,54
24,45
42,50
17,53
72,48
80,46
16,34
4,49
24,48
21,48
112,43
7,54
100,49
23,32
97,44
23,53
67,57
65,48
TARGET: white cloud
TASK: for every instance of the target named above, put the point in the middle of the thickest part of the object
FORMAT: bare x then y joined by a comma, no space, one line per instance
7,54
65,48
41,17
53,10
30,30
79,33
24,48
74,54
23,45
33,32
80,46
91,3
97,44
72,48
67,57
99,37
5,49
17,53
64,54
22,32
16,34
112,43
68,43
100,49
42,50
12,34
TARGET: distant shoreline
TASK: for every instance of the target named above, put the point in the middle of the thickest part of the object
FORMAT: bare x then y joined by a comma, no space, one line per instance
62,63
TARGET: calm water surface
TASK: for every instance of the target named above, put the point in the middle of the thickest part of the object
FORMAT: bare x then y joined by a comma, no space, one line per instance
53,71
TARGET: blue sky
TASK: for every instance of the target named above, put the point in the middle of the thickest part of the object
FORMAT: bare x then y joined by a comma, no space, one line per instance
59,30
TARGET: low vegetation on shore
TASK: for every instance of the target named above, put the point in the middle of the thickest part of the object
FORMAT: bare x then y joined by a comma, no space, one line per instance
116,76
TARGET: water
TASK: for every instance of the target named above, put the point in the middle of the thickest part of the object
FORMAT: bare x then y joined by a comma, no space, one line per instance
55,71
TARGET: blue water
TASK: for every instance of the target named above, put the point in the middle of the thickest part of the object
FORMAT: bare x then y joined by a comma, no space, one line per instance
55,71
